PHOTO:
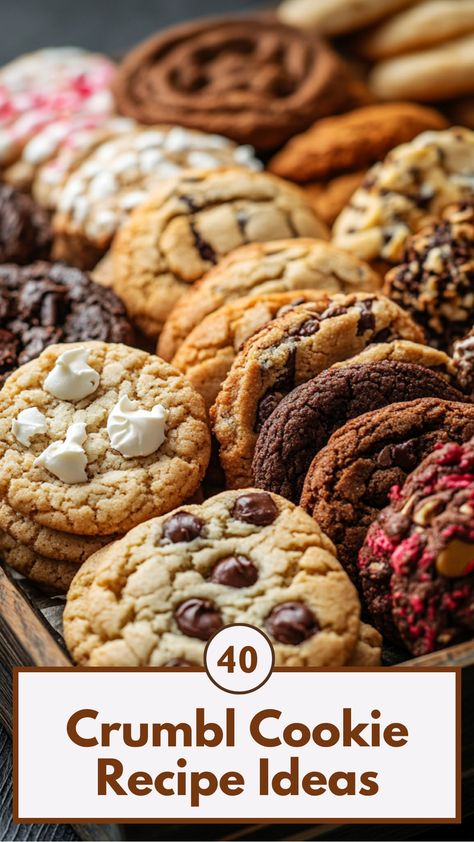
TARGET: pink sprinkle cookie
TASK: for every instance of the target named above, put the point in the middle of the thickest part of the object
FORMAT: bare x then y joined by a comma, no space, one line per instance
417,562
43,94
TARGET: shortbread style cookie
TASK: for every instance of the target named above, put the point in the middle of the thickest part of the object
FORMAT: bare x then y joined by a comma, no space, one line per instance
249,78
43,92
426,23
96,437
120,174
441,72
171,240
413,185
417,563
260,269
25,232
45,303
336,17
289,351
329,198
463,357
53,576
349,481
305,420
353,141
435,281
155,597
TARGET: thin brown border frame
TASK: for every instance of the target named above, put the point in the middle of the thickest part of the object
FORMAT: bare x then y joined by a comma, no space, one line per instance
196,820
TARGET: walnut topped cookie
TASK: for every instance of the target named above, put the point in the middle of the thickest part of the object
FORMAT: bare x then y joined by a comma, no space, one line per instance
410,187
96,437
189,224
156,596
291,350
262,268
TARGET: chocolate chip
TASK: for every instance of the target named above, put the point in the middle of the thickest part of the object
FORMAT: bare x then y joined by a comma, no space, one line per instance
182,527
291,622
402,455
178,662
308,328
235,571
255,507
198,618
366,318
204,248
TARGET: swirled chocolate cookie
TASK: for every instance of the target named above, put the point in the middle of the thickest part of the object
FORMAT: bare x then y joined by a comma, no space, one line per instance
156,596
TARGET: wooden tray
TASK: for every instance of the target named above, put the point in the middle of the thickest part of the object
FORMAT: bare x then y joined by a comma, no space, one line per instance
31,635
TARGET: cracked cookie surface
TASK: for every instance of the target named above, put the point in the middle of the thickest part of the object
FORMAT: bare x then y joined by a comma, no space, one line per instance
291,350
189,224
157,595
119,492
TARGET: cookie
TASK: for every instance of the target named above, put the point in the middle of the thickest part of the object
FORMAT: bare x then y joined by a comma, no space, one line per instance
189,224
417,562
45,303
305,420
25,232
463,357
112,436
249,78
336,17
241,557
329,198
435,280
405,191
43,92
262,268
352,141
291,350
402,350
53,576
349,481
441,72
120,173
368,650
427,23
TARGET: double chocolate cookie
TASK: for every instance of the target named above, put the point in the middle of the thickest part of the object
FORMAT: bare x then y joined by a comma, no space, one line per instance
25,232
349,481
417,563
156,596
304,421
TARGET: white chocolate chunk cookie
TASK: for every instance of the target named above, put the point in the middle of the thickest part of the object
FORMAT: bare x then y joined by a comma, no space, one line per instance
116,492
156,596
412,185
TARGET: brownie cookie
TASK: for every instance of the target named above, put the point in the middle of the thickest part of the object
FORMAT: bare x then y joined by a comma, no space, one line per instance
349,481
159,594
251,79
435,280
188,224
463,357
291,350
120,173
304,421
411,186
25,232
53,576
47,303
353,141
97,437
261,268
336,17
417,563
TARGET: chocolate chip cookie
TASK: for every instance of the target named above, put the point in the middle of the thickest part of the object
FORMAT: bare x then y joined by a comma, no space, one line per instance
304,421
435,280
261,268
47,303
291,350
159,594
25,232
349,481
417,563
189,224
97,437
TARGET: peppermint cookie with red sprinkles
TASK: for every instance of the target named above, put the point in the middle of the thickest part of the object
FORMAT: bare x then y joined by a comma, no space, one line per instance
417,562
155,597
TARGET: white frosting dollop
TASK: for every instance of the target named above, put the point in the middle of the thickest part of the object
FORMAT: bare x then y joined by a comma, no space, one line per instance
29,422
72,378
67,459
134,431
